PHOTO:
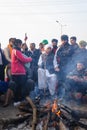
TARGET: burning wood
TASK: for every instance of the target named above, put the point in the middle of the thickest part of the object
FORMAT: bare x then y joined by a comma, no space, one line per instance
51,115
54,113
55,108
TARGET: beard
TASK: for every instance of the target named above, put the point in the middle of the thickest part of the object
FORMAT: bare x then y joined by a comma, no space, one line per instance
55,47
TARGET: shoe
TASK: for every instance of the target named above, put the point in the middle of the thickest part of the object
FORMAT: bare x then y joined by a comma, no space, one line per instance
16,103
5,105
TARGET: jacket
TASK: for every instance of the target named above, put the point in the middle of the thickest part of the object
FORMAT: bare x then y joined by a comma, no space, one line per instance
63,55
46,62
17,63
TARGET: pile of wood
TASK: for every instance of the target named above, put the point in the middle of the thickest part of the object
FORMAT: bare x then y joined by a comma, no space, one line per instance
48,115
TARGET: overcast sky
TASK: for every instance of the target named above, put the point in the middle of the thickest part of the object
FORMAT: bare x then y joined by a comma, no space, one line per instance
38,19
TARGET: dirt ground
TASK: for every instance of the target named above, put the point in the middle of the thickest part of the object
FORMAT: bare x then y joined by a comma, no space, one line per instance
8,112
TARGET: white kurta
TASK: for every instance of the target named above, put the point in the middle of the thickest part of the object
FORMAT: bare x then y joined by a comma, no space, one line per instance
45,79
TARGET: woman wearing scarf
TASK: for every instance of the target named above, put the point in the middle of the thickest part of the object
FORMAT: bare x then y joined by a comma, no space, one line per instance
18,73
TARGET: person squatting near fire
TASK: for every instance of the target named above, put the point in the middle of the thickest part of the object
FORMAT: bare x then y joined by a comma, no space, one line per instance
19,85
76,82
46,73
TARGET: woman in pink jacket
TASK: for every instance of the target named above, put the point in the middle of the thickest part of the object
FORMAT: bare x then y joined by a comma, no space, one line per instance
18,73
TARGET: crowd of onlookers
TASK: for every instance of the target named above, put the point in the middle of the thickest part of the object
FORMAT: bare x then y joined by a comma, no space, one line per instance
54,69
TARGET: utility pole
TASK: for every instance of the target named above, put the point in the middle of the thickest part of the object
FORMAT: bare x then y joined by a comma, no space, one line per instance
61,26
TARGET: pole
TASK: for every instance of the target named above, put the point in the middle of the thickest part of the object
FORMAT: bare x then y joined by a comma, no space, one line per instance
61,27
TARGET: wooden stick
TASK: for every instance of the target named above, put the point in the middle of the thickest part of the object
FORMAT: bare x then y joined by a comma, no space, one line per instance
47,121
4,122
34,112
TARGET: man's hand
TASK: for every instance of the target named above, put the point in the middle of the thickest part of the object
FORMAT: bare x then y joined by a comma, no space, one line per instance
57,69
9,65
76,78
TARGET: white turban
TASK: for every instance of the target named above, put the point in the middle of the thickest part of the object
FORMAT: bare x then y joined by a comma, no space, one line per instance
48,46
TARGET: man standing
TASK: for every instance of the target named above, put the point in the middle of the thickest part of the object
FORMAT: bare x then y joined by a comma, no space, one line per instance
24,49
7,53
80,54
8,49
62,57
34,54
76,49
74,45
54,44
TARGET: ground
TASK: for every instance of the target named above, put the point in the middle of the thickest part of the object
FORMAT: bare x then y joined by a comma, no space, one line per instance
8,112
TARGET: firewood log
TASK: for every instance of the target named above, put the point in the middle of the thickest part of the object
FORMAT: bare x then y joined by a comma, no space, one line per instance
34,112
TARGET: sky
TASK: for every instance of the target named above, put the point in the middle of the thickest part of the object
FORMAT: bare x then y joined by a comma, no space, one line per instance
38,19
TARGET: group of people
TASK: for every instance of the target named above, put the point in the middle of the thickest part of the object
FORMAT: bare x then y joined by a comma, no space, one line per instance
60,69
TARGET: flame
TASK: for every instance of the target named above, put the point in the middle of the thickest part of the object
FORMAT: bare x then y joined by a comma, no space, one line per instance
55,108
58,113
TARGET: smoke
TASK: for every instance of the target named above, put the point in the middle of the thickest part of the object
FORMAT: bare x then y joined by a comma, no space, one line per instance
63,92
